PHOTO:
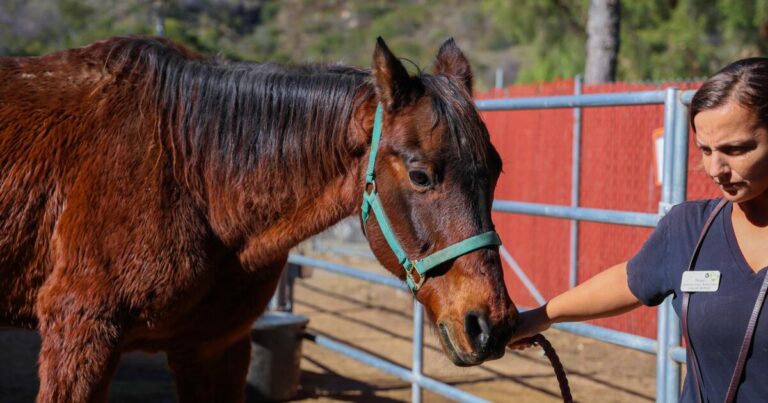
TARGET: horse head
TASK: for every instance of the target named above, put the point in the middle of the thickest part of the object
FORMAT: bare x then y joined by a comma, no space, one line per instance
427,201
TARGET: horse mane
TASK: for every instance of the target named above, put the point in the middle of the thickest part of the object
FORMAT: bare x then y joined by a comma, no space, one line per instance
285,124
288,125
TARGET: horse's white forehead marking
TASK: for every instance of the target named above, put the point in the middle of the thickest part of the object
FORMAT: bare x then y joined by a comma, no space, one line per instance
27,75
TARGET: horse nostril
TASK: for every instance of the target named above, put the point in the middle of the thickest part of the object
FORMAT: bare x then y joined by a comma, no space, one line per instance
478,330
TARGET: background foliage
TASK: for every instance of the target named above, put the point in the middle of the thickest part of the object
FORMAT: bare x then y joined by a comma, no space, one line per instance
531,40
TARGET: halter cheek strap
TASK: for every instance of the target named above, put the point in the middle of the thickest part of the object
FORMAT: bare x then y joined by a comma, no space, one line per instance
415,270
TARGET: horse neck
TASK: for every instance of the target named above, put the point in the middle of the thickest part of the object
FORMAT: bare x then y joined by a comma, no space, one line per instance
310,214
271,223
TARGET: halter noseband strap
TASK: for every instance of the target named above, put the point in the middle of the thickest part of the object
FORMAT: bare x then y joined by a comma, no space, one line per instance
415,270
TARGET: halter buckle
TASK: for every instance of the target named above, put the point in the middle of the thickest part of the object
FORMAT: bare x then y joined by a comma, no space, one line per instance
416,279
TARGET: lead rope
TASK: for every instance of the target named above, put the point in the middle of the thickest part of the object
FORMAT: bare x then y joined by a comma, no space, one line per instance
554,360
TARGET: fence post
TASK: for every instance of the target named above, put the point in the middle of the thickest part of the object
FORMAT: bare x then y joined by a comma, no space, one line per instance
499,78
573,264
418,349
159,17
680,158
282,299
663,359
679,194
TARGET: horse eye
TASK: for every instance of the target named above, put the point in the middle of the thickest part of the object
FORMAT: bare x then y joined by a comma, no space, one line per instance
420,178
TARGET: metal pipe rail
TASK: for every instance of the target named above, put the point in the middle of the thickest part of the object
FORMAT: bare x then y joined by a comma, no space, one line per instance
674,178
578,213
415,375
616,337
394,369
348,271
572,101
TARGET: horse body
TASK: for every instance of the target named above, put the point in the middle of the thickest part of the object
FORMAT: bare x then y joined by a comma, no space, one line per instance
149,198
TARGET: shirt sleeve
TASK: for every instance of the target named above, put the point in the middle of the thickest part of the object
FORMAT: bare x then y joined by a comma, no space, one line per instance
648,272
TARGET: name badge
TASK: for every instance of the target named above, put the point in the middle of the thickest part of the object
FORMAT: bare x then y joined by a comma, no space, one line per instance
700,281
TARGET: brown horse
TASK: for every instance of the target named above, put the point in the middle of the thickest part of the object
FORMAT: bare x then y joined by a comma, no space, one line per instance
149,198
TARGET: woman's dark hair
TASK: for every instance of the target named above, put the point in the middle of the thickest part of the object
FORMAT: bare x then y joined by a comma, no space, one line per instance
745,80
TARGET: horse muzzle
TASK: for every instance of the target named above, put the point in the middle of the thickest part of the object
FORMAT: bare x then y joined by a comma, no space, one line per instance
477,341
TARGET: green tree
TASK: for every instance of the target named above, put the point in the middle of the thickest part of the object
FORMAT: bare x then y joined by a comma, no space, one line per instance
541,39
40,26
550,35
660,40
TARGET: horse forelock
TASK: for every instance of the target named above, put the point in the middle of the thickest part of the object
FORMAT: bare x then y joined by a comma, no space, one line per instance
466,134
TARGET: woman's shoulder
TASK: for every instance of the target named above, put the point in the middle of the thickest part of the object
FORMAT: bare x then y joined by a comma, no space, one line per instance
694,212
654,272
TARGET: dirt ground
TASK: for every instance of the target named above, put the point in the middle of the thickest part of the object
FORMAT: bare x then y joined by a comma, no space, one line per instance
376,319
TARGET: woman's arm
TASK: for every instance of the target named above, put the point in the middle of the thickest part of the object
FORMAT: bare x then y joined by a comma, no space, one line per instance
605,294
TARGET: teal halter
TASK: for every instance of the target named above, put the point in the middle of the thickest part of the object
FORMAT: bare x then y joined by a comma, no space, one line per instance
414,278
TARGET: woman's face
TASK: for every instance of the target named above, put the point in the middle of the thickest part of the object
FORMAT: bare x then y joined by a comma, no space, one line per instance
734,151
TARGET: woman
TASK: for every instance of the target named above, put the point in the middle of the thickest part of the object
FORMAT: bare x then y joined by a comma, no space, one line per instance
729,116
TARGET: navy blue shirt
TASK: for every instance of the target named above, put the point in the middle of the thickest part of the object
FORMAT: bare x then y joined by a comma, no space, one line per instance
717,320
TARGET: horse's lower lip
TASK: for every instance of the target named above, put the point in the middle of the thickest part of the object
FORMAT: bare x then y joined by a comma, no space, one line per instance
459,358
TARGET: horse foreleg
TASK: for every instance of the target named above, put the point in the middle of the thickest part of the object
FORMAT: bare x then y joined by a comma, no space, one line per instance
213,372
78,357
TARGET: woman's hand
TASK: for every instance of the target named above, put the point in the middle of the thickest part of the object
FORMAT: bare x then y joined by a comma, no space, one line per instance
529,324
605,294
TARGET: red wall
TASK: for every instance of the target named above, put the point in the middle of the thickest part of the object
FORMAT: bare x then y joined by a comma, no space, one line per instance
617,172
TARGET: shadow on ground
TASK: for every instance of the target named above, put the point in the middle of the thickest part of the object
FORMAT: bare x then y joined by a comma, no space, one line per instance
140,377
145,377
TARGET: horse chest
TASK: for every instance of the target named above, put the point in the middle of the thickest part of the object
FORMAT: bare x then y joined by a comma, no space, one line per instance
229,301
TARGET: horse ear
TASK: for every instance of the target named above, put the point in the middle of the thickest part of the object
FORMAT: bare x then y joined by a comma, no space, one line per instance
391,79
450,60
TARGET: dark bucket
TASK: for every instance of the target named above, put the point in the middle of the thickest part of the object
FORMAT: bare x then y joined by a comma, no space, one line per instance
274,371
